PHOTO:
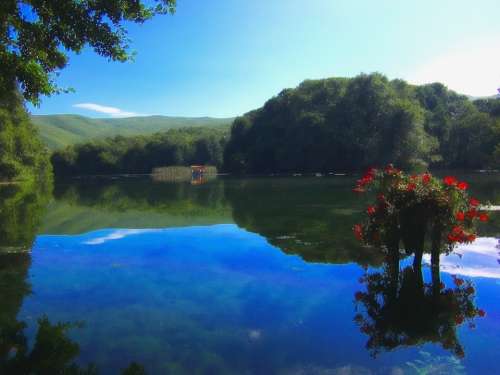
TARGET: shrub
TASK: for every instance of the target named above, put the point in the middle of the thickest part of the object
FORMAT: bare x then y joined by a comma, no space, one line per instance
416,208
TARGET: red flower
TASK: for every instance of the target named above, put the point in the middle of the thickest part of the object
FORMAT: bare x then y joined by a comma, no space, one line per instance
471,214
471,237
460,216
457,230
483,217
473,202
462,185
367,179
381,197
441,285
358,296
450,180
371,171
459,320
481,313
371,210
411,186
358,231
426,178
457,281
452,238
390,169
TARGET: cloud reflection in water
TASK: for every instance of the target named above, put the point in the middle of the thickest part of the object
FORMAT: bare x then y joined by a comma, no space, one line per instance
478,259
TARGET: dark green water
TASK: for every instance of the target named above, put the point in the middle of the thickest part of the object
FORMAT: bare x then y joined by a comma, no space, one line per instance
236,276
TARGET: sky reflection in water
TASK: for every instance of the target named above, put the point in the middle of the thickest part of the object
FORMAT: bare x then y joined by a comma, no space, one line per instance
237,276
219,299
479,259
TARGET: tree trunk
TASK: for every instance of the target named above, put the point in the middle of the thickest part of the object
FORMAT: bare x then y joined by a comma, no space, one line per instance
435,253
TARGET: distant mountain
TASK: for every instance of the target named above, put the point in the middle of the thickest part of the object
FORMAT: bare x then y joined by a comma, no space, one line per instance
58,131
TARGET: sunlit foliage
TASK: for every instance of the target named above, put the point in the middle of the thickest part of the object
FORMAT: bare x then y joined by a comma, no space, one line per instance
22,155
349,124
36,35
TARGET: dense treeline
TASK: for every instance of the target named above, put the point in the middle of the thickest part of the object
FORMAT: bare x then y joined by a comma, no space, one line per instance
22,154
140,154
349,124
336,124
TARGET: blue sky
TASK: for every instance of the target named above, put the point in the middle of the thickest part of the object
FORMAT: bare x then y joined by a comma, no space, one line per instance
223,58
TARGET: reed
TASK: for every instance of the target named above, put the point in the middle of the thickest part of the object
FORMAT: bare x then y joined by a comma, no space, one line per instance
181,173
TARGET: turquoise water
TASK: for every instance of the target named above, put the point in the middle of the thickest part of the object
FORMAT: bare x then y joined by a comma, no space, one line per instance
267,281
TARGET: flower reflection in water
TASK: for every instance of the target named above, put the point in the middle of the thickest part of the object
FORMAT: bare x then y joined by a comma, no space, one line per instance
398,309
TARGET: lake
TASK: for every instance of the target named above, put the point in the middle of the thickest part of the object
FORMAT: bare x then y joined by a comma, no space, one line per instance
234,276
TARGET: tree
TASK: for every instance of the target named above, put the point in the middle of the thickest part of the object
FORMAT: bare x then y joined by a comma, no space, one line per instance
36,34
140,154
347,124
22,155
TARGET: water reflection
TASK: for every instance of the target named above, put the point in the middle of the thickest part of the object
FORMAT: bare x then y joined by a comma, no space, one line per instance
22,207
310,217
478,259
228,301
398,309
52,351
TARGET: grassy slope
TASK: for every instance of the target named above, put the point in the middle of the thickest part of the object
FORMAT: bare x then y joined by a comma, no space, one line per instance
58,131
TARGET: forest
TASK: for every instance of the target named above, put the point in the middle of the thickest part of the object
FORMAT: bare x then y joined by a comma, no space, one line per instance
342,124
335,124
140,154
22,154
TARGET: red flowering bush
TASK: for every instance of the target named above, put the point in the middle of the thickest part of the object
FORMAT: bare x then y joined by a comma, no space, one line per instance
411,207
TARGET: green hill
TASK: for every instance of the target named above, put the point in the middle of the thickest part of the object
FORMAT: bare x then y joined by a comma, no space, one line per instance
58,131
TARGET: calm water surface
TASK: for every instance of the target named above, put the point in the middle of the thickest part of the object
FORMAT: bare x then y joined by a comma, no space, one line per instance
235,276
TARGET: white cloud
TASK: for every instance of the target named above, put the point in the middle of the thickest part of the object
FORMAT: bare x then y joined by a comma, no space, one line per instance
478,259
112,111
117,235
470,67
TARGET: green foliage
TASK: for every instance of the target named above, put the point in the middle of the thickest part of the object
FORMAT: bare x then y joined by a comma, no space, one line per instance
59,131
21,209
89,205
142,154
409,208
35,37
490,106
309,217
22,155
349,124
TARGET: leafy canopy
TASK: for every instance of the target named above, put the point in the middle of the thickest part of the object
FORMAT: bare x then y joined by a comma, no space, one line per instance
22,154
35,36
409,207
346,124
